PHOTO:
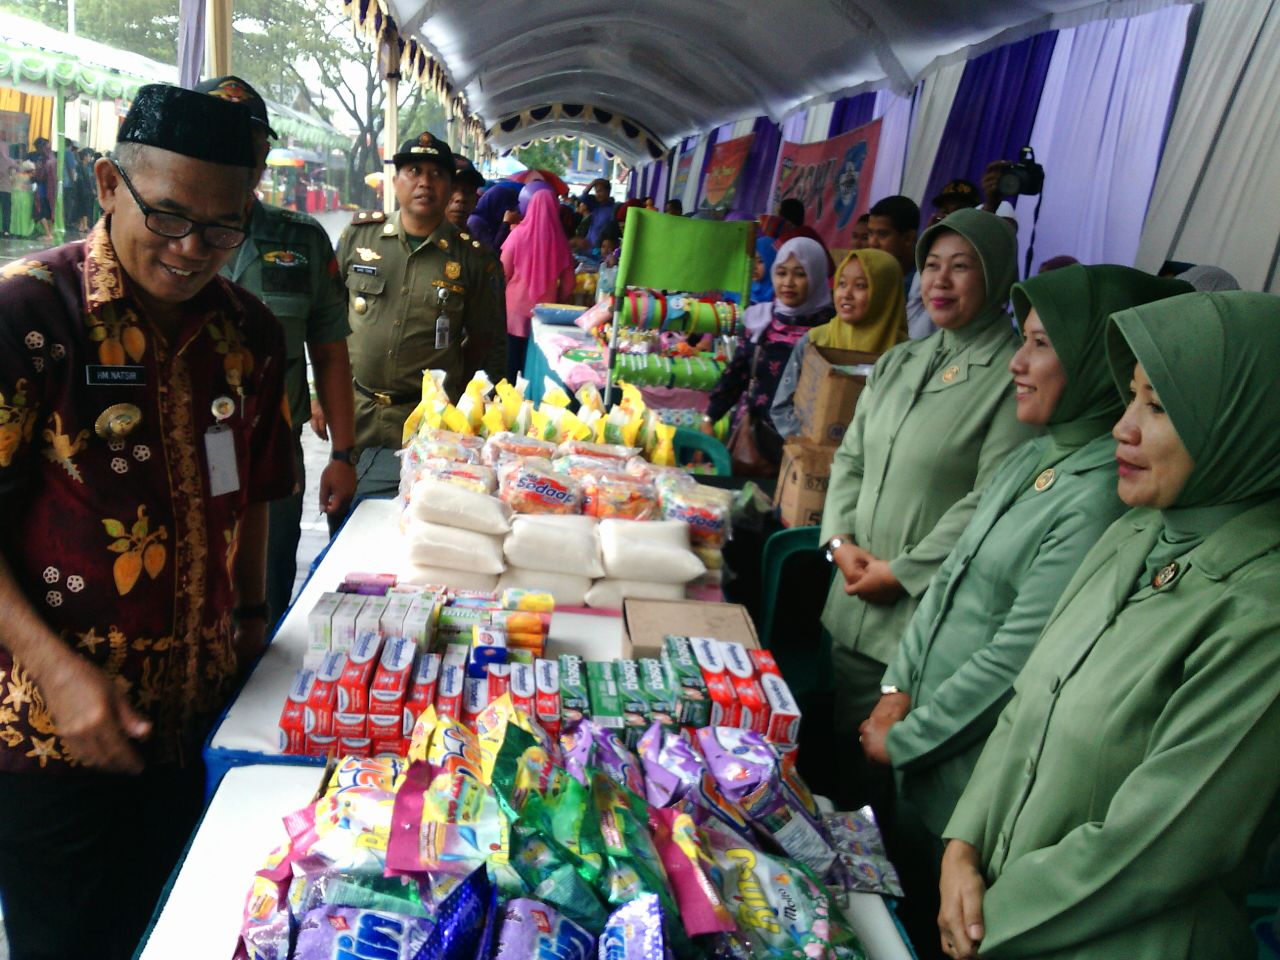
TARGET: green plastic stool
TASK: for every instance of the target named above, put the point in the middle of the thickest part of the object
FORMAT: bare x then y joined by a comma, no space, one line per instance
777,549
688,440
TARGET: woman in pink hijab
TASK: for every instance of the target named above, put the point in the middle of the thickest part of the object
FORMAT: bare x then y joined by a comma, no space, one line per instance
539,269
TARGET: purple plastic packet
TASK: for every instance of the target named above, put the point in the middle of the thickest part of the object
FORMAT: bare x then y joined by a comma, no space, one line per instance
578,743
618,762
634,932
531,929
672,768
460,921
345,931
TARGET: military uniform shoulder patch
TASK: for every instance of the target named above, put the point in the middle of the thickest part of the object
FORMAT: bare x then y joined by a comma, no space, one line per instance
368,216
464,235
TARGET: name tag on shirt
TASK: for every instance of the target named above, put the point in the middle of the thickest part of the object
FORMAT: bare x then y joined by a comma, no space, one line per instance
220,451
103,375
364,269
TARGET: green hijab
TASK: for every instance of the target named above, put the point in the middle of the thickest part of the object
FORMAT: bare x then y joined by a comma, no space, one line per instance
1074,304
1212,358
997,247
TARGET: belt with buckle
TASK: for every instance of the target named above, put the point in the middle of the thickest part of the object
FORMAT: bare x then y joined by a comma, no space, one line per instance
382,398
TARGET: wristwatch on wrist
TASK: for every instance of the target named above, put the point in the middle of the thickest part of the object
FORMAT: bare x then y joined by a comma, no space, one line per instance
342,456
834,544
888,688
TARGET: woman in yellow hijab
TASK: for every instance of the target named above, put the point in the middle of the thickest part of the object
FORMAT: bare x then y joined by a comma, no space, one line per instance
871,316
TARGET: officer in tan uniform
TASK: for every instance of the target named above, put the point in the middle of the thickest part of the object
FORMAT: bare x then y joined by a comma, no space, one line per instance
419,297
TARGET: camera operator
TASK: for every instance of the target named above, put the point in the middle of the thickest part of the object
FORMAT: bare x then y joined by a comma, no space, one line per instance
994,201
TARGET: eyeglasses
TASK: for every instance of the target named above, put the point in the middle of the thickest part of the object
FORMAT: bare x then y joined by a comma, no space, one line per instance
176,227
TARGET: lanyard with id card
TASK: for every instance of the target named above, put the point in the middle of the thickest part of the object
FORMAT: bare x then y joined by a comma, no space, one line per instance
220,450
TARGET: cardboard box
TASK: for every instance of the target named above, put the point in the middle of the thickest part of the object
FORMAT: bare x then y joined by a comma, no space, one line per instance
826,394
646,624
802,483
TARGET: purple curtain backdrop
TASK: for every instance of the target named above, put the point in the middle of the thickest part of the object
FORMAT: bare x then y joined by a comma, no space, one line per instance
994,112
757,174
712,139
633,184
190,42
850,113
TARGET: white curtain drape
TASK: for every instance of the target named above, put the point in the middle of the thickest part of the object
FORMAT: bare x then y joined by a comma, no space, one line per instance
894,112
1217,195
934,97
1098,132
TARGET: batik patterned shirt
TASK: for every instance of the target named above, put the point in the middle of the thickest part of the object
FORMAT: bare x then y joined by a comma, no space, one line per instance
119,542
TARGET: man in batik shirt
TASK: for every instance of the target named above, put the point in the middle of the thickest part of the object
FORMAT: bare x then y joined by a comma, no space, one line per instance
141,435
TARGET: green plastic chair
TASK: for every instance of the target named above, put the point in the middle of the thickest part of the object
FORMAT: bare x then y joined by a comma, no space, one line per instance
805,670
692,440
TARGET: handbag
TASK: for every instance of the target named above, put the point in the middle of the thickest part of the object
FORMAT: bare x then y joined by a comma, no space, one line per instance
755,446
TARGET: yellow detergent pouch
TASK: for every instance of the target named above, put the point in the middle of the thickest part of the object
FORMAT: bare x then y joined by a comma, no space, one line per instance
553,394
572,428
648,437
492,422
453,419
664,450
420,739
631,430
511,400
632,400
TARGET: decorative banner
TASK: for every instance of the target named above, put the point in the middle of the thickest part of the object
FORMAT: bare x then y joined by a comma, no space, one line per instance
684,166
724,174
831,179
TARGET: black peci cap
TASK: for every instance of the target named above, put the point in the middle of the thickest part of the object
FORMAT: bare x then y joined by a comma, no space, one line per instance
465,172
425,147
192,124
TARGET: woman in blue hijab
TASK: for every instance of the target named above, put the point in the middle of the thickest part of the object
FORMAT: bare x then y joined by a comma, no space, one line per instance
762,276
488,223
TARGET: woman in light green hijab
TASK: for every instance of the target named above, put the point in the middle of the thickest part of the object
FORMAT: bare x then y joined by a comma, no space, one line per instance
1044,509
933,423
1122,807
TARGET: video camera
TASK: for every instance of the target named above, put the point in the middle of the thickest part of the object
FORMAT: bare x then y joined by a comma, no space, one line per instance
1023,176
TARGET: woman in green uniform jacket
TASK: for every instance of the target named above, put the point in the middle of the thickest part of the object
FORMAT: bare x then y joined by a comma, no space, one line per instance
932,425
1123,804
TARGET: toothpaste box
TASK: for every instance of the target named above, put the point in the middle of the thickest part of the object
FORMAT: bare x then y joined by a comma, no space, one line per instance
658,691
386,616
546,675
419,626
521,655
754,708
784,723
344,621
693,704
635,705
475,697
488,644
524,688
726,709
606,704
320,746
422,690
450,688
763,661
293,718
320,627
350,725
499,677
324,694
390,684
386,733
354,746
575,698
357,674
706,650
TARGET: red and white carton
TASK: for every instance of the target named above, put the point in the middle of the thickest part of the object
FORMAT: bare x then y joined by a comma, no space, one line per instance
320,628
726,710
499,680
741,673
318,746
475,697
784,724
422,690
348,726
386,732
344,621
546,676
706,651
419,625
353,685
324,694
450,688
764,663
293,718
390,685
524,688
354,747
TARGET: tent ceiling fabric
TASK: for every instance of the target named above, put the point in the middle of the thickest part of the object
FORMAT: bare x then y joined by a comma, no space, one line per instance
677,68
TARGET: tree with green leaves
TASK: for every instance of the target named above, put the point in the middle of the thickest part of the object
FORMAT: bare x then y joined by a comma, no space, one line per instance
554,155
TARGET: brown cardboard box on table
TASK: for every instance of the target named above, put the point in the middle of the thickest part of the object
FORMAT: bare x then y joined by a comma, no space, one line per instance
647,623
802,483
826,395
